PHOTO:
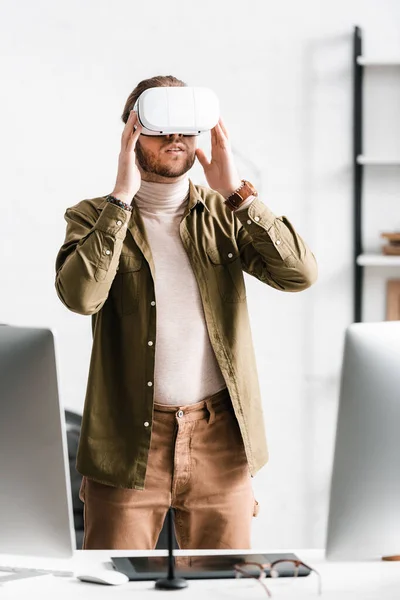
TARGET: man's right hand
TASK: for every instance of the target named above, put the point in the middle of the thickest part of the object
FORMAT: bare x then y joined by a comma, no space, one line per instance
128,178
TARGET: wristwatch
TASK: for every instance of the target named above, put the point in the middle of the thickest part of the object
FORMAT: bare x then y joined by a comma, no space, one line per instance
236,199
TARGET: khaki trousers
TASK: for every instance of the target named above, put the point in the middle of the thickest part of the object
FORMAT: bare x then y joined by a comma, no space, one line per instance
197,465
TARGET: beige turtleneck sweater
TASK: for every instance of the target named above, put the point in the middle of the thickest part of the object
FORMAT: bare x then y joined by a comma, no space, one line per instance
186,370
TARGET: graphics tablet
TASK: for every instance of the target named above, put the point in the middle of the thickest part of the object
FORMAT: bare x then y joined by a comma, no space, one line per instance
149,568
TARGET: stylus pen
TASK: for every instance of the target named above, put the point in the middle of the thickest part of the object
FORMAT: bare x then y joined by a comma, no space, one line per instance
170,582
171,565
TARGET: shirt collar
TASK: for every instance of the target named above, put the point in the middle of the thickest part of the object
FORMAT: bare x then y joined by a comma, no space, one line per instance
195,197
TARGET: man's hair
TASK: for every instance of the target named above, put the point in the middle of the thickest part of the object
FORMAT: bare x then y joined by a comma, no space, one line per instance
158,81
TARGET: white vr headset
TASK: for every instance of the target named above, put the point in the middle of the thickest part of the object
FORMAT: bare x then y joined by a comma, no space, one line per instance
187,110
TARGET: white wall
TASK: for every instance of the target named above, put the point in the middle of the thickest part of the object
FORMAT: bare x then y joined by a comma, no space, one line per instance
66,71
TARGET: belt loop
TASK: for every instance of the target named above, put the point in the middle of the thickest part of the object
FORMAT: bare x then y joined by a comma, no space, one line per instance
210,408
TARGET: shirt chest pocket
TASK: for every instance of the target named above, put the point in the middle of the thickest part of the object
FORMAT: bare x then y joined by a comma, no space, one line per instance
226,273
127,283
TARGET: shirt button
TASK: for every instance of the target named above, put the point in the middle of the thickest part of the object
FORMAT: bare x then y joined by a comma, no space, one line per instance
179,413
278,242
150,343
152,303
108,251
249,222
230,255
146,423
256,218
149,383
119,222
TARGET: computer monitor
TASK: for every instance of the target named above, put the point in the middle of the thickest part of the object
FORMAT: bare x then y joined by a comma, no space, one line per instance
364,509
36,515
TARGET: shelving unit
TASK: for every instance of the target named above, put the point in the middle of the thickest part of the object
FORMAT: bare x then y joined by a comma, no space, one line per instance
378,260
370,160
371,62
360,161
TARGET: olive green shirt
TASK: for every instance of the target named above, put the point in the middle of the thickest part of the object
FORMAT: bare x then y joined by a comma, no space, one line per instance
105,269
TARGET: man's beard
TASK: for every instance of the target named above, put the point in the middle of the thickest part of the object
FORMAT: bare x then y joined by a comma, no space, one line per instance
150,164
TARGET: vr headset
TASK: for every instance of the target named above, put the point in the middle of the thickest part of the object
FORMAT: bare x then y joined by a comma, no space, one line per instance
187,110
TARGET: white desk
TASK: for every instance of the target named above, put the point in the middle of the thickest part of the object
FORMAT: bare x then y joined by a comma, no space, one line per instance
366,580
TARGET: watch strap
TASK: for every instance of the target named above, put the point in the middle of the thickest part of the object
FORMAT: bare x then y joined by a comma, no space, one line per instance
238,197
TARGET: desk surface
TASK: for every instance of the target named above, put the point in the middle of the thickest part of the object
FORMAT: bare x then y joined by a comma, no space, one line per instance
369,580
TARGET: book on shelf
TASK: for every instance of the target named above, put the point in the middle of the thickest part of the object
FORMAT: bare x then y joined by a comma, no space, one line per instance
393,245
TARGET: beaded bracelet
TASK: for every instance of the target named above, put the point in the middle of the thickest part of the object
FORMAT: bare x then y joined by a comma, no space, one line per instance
114,200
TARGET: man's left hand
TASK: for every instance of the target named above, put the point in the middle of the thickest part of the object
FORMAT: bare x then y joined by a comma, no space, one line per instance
221,173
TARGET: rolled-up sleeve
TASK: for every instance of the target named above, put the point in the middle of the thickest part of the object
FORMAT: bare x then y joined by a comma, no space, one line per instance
87,261
272,251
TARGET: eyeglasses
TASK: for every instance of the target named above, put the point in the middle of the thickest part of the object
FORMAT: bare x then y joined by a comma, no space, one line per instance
257,571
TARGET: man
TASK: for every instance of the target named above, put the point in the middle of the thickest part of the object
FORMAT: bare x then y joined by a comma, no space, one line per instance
173,413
